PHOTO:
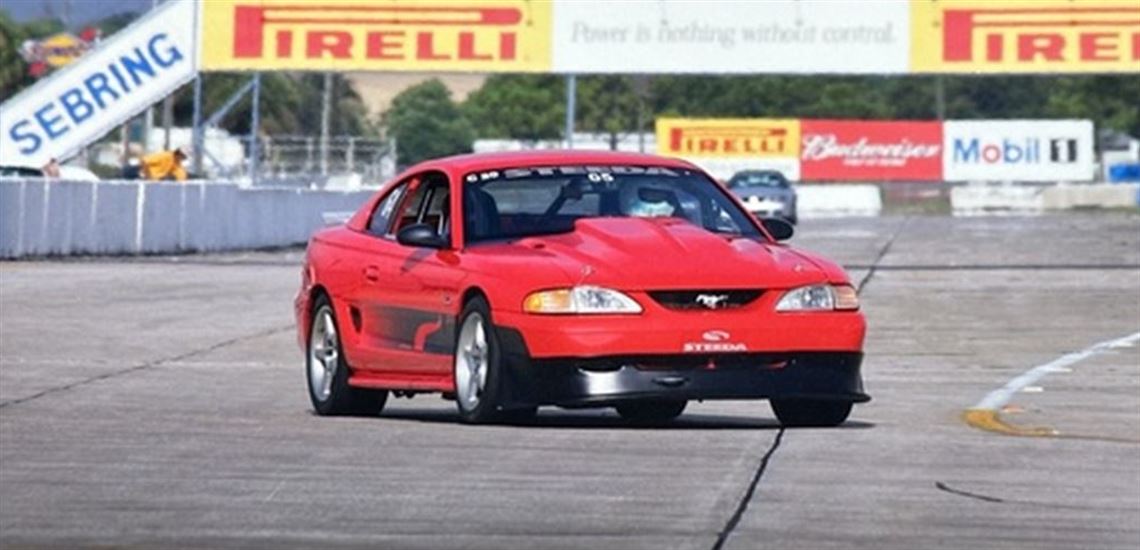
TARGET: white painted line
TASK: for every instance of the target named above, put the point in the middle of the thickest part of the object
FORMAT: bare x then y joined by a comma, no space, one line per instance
999,397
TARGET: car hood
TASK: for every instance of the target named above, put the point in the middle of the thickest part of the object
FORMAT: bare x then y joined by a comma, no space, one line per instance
665,253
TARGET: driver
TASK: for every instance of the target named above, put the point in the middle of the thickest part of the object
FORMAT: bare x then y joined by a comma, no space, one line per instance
647,200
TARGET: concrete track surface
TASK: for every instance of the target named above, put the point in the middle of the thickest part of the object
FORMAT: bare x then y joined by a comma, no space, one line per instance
159,402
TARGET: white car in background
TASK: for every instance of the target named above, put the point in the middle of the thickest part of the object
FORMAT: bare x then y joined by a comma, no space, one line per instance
765,193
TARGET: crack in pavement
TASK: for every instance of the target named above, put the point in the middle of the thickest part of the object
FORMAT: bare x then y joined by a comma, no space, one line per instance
742,506
977,496
882,253
146,365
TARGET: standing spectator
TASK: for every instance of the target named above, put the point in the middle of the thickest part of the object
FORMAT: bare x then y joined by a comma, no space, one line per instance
51,169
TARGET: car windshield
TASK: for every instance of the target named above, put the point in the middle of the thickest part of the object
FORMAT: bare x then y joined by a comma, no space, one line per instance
757,179
518,202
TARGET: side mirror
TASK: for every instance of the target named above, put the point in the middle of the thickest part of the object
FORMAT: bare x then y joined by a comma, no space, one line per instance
780,229
420,235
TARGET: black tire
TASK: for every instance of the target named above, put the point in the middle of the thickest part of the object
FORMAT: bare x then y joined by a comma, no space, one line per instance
810,413
651,411
518,416
342,398
486,409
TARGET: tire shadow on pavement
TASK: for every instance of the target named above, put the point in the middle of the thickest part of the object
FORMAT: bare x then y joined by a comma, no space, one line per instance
556,418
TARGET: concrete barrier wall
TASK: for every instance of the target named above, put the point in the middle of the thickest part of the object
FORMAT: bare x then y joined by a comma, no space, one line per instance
40,218
829,200
979,198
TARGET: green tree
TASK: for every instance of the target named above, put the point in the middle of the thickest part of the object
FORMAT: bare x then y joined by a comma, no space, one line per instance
607,104
1111,101
13,70
290,104
348,115
427,123
527,107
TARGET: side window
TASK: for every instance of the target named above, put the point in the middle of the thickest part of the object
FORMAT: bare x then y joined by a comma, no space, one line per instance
382,215
412,206
428,203
438,208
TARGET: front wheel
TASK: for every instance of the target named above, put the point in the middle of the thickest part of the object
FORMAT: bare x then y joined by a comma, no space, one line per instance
477,365
327,371
651,411
810,413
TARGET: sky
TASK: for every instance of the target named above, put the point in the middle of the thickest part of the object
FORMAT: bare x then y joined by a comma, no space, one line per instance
75,12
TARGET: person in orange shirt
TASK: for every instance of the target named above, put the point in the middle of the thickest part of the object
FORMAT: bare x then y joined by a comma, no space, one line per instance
163,165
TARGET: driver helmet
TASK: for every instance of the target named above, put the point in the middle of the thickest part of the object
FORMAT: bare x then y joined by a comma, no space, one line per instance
644,200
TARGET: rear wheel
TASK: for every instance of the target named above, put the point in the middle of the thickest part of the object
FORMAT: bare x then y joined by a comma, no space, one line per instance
327,371
807,412
651,411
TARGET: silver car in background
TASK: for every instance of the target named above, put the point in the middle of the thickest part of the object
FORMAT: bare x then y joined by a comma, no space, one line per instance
765,193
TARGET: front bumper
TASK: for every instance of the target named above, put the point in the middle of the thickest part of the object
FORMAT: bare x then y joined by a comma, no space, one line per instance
601,381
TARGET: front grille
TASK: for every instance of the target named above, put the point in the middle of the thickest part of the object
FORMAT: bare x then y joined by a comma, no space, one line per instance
686,361
704,300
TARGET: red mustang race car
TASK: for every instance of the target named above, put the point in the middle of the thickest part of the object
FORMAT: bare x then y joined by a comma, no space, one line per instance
578,279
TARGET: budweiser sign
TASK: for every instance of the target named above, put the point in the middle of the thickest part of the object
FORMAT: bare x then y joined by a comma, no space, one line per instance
871,150
864,152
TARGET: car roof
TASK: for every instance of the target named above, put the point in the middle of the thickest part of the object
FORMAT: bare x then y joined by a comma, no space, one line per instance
548,157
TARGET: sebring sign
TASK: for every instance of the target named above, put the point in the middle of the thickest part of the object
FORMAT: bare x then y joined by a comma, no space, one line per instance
86,99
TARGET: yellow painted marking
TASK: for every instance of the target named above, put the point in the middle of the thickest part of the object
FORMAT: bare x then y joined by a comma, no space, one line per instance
990,421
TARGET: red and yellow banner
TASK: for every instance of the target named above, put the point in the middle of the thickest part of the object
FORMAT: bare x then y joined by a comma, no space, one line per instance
1024,36
376,35
728,137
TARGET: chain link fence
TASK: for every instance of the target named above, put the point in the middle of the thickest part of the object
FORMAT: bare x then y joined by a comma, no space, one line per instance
305,160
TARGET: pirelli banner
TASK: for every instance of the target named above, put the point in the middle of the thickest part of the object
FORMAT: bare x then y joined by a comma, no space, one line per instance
679,36
724,146
378,35
886,150
1024,36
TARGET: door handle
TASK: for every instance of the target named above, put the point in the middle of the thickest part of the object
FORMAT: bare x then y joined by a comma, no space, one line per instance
372,274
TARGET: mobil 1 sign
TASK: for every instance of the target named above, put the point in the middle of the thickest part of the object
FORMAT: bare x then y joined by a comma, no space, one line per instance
122,76
1018,150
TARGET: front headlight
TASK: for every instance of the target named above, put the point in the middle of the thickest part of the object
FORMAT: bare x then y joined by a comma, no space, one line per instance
580,299
820,298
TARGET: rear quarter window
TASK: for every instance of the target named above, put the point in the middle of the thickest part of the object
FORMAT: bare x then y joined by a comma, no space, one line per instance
382,216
